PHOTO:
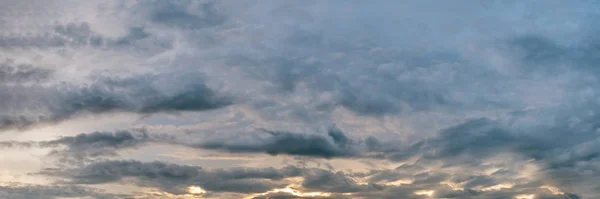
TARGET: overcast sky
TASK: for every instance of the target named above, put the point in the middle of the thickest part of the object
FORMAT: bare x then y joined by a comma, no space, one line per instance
422,99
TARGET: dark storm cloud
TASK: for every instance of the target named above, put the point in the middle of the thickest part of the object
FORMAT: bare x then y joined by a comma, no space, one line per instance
176,178
137,95
334,144
50,192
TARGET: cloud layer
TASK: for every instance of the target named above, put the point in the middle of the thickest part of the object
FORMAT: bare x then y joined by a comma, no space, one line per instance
311,99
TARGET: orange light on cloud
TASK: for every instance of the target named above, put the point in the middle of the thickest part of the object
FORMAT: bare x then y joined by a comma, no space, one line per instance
424,193
196,190
525,196
293,192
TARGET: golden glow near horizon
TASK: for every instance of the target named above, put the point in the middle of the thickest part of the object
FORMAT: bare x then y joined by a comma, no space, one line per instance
525,196
424,193
553,190
497,187
167,195
400,182
196,190
293,192
454,186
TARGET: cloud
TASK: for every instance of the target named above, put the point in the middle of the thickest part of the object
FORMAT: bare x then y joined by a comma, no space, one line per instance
50,91
334,144
419,180
185,14
20,191
478,138
328,181
470,144
94,146
496,99
11,72
540,53
97,145
32,105
71,35
175,178
284,195
560,151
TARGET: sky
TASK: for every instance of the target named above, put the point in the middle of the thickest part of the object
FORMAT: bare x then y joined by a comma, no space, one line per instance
258,99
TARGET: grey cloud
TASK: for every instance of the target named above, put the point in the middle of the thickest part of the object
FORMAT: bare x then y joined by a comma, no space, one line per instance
11,72
425,179
455,146
264,173
540,53
334,144
97,145
292,196
371,92
563,142
185,14
477,138
119,139
329,181
374,66
19,191
175,178
16,144
40,41
564,151
80,35
537,49
60,36
373,59
32,105
89,147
